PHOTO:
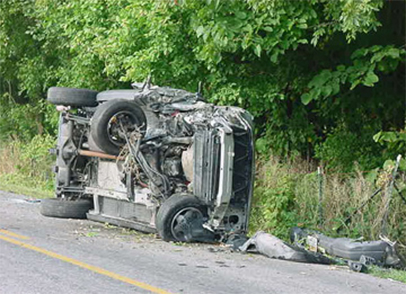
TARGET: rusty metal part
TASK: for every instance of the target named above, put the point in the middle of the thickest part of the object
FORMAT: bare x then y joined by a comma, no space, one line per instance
89,153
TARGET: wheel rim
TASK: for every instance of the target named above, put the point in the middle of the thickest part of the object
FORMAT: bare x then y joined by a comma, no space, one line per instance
114,127
182,222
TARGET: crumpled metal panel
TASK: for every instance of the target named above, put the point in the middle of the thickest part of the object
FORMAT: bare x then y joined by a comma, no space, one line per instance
274,247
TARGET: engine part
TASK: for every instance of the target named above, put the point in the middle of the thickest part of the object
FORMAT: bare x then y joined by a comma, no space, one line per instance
99,154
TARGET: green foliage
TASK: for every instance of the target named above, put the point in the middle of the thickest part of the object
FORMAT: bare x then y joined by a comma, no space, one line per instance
365,62
35,156
342,148
266,56
27,164
394,141
274,202
24,121
287,195
389,273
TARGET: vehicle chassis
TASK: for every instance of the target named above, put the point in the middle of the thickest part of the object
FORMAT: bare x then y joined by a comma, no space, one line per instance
188,147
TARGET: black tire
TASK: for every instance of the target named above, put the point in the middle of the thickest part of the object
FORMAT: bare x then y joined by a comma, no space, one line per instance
58,207
101,127
170,208
72,96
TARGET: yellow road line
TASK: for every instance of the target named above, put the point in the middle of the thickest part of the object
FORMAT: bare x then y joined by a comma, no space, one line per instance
87,266
14,235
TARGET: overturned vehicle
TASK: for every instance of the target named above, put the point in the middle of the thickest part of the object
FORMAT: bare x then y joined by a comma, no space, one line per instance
155,159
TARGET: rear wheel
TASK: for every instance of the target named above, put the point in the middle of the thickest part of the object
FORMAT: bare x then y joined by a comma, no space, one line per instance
111,119
58,207
72,96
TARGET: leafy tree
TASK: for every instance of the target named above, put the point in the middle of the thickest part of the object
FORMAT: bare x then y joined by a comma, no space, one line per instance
311,71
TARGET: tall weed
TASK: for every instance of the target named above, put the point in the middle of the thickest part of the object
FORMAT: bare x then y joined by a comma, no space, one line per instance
27,164
287,194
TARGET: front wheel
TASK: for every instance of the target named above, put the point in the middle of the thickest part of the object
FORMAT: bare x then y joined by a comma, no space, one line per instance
180,218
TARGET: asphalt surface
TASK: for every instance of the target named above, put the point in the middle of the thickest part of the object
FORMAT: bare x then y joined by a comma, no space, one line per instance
48,255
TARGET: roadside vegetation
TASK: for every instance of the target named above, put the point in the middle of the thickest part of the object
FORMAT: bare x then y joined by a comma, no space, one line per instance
393,274
26,168
294,194
325,81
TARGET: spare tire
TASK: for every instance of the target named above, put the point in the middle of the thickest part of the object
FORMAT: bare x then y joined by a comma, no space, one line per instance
58,207
105,125
72,96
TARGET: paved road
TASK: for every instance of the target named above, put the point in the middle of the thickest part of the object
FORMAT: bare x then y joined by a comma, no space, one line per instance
44,255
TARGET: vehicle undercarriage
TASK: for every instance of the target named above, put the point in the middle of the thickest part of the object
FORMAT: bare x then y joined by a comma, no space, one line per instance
155,159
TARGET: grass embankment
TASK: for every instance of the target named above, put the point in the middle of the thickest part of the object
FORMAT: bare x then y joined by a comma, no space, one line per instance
25,168
393,274
286,195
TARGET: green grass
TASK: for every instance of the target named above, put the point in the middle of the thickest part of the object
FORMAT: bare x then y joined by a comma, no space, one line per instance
397,275
25,189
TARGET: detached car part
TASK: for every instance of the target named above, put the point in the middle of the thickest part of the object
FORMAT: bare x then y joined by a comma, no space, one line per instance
274,247
381,252
155,159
